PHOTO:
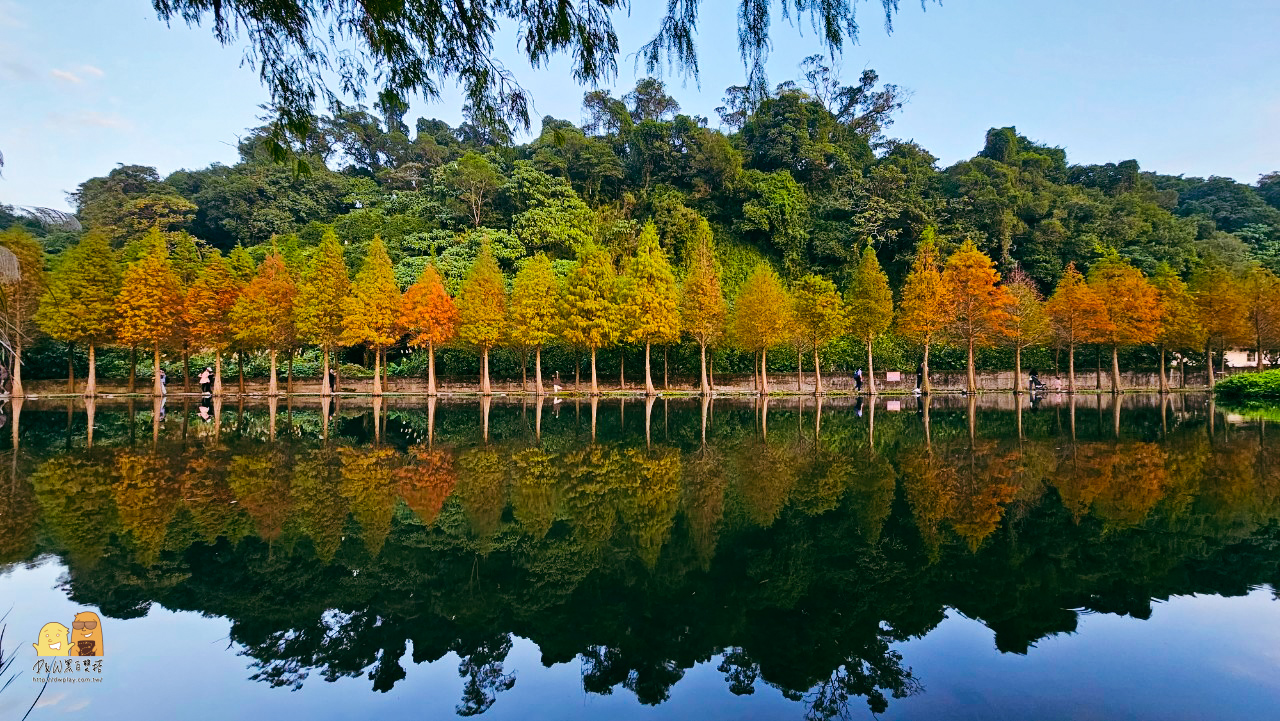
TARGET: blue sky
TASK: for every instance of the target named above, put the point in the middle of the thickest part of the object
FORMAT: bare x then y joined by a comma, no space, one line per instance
1184,86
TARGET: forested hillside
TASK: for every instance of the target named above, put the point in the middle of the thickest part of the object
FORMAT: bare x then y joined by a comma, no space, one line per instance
805,178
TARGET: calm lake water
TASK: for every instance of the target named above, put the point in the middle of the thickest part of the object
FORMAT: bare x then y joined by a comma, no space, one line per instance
629,560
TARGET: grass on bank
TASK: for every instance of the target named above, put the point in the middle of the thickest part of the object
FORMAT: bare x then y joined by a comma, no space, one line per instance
1250,386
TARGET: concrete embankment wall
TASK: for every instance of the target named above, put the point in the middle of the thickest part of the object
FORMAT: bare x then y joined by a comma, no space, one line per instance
943,382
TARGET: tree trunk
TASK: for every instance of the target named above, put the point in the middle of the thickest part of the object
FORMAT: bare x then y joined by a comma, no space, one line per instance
622,370
377,374
1115,369
16,391
595,387
273,386
665,352
649,390
973,379
217,373
186,368
325,391
537,374
577,374
764,371
91,382
240,369
703,387
1182,370
288,384
156,388
431,368
1259,352
799,370
484,372
1164,381
133,369
386,372
1071,368
925,388
71,368
711,371
817,373
1208,355
1017,372
871,370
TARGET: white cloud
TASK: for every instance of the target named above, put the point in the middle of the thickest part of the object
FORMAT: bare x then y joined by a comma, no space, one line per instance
93,70
66,76
89,119
9,15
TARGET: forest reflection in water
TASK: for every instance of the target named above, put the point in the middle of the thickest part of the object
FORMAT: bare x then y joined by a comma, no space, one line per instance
794,541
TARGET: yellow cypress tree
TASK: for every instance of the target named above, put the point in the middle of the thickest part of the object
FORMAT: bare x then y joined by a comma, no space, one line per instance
535,310
819,317
79,306
761,316
870,306
589,306
702,306
319,303
371,314
651,300
922,315
482,310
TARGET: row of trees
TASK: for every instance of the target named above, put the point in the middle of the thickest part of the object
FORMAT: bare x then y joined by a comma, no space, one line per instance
173,299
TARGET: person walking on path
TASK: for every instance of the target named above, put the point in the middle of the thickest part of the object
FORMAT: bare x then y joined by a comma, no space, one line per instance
919,378
206,381
333,381
164,380
857,380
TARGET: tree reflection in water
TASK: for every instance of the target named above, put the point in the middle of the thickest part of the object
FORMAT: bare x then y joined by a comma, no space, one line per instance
788,540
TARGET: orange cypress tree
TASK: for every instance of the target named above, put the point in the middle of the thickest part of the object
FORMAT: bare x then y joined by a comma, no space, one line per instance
208,312
979,305
1133,307
371,314
262,316
429,315
922,315
149,302
1077,315
482,310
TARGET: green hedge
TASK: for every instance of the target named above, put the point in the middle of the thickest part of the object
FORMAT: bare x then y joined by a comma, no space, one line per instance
1249,386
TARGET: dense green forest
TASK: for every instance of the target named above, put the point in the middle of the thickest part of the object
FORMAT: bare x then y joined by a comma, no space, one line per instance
804,177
